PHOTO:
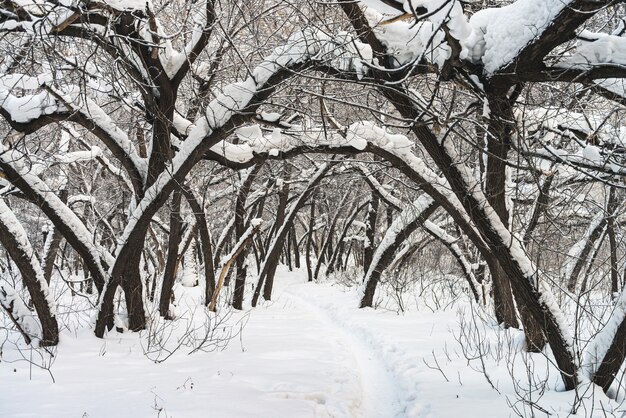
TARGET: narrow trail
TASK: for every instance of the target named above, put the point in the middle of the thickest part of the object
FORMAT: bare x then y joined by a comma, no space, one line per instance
380,390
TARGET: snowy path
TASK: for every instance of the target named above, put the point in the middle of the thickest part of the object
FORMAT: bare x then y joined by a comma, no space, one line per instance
378,383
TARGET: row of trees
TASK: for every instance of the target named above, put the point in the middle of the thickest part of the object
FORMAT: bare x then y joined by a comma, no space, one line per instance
151,136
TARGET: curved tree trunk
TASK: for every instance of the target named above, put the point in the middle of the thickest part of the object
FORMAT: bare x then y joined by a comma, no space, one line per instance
13,238
335,259
403,226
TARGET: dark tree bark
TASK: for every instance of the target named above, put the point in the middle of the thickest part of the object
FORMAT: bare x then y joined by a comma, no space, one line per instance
499,133
370,231
29,272
244,242
10,309
596,232
240,228
295,247
91,261
327,242
55,244
276,244
335,259
610,229
386,257
172,256
281,225
309,242
205,244
540,207
561,29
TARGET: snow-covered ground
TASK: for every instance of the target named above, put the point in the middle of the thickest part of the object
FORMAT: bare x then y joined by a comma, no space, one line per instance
308,353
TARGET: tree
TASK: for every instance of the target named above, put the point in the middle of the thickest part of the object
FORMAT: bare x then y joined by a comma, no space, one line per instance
457,119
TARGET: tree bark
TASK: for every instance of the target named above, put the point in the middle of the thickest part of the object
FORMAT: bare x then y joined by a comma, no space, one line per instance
385,257
240,229
205,244
283,197
172,256
15,242
370,232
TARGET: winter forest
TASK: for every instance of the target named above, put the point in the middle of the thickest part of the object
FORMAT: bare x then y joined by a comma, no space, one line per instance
271,208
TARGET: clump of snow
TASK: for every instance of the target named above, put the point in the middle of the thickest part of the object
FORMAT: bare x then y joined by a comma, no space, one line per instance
499,34
604,338
129,4
347,53
408,42
13,303
592,153
234,97
614,85
596,48
27,108
24,81
270,116
17,232
443,12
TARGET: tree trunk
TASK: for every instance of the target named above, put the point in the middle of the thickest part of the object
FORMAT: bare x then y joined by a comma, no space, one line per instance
240,229
55,244
370,232
610,229
276,243
15,242
281,222
172,256
205,243
384,255
309,242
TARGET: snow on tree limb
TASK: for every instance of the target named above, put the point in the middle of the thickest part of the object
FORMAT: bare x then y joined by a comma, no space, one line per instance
17,244
23,318
64,218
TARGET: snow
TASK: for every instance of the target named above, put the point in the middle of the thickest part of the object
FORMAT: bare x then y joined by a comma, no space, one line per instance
454,247
26,108
308,353
23,81
592,153
128,4
79,156
440,12
516,250
600,344
614,85
596,49
409,214
574,252
492,36
408,43
16,230
67,216
12,302
301,46
270,116
500,34
95,114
